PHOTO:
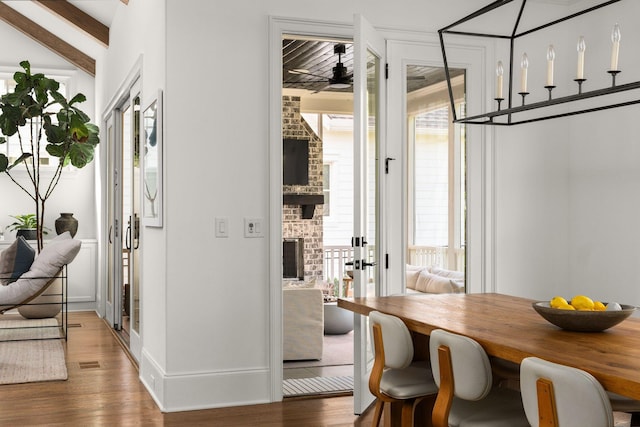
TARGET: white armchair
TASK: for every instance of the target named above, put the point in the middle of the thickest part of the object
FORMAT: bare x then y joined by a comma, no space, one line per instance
303,323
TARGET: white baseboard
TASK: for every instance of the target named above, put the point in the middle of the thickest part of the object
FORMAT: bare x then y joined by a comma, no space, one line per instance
204,390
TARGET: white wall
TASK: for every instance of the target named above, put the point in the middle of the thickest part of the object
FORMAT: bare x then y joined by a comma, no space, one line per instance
217,151
137,46
567,198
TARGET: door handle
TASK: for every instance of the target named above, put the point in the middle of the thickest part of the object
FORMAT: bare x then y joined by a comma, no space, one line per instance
127,238
368,264
110,231
136,231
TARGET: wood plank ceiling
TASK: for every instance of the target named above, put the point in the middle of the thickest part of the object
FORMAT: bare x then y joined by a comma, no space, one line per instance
73,16
308,64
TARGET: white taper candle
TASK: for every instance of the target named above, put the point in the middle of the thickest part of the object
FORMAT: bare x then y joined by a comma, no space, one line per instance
499,80
524,65
582,46
551,56
615,47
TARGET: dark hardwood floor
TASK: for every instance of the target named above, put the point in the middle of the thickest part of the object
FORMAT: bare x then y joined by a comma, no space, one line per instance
103,389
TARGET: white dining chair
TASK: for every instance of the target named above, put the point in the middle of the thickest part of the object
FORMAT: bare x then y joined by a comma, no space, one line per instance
557,395
466,396
624,404
395,378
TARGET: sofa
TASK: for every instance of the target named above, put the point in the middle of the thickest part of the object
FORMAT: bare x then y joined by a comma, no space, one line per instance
434,280
303,323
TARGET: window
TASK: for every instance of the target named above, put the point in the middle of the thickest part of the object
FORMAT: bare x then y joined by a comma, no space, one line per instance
12,147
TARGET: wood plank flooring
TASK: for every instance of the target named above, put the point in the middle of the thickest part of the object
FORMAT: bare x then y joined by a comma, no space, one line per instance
103,389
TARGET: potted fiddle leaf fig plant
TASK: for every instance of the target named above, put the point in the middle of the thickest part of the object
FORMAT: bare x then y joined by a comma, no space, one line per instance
38,115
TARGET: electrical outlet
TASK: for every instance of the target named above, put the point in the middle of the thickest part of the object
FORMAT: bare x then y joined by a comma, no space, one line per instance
253,227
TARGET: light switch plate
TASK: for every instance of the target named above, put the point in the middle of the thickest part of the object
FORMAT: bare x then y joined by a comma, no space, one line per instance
222,227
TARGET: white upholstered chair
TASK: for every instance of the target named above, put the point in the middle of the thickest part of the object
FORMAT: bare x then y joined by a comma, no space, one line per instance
394,378
556,395
466,397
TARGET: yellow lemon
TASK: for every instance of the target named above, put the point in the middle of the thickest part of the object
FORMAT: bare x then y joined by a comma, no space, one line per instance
566,307
557,302
598,306
581,302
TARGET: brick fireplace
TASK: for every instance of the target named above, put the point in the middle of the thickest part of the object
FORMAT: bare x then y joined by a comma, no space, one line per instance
302,204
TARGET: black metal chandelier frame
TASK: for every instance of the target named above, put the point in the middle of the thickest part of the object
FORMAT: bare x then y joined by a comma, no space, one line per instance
510,110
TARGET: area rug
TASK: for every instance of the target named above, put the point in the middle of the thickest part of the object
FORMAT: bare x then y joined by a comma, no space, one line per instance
317,385
32,358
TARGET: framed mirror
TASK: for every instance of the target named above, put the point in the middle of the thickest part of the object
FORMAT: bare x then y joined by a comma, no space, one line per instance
152,163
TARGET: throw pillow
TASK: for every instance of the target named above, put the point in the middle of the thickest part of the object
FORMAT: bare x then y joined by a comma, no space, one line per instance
451,274
458,286
55,255
433,284
15,260
413,271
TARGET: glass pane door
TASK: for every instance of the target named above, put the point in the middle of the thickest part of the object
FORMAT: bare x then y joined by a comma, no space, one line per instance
368,101
122,300
113,233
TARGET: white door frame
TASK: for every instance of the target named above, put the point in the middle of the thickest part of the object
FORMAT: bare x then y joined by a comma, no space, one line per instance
128,90
367,40
277,28
480,175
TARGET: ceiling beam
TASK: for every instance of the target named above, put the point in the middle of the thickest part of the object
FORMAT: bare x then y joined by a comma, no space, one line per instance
47,39
80,19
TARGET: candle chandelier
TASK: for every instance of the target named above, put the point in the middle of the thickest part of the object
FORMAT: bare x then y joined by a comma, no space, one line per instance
513,108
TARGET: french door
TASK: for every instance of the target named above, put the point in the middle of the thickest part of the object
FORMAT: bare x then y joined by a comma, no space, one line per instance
123,272
369,121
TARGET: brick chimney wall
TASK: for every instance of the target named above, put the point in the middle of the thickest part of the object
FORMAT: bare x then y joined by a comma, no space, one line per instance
293,226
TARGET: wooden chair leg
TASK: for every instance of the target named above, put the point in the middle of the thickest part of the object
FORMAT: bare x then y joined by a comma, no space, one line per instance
377,414
407,413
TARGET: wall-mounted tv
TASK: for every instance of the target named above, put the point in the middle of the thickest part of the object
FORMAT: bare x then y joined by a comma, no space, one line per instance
295,161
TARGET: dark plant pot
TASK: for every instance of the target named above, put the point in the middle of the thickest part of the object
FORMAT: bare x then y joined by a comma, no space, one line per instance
28,233
67,222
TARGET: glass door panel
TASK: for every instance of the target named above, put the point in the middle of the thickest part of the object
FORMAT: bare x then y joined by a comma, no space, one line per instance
126,215
134,269
113,233
369,53
123,284
436,170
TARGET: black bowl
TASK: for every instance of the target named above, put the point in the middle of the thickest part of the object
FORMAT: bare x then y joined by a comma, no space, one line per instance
582,321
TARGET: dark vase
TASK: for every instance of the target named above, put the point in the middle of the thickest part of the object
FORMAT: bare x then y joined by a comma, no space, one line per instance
28,233
67,222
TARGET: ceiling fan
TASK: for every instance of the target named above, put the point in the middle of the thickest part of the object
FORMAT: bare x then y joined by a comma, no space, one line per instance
340,76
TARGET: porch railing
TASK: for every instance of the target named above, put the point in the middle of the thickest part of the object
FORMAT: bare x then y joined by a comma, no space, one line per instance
439,256
335,258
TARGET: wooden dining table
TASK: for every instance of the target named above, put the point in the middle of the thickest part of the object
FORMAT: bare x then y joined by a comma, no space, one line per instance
507,327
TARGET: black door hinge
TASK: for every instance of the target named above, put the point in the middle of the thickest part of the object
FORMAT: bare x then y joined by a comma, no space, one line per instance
386,71
386,261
